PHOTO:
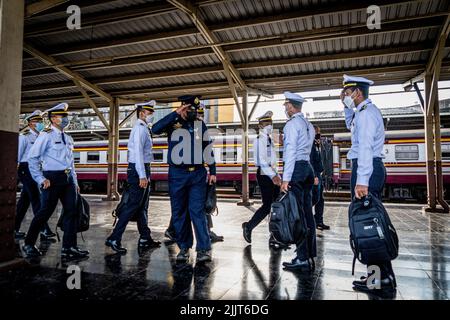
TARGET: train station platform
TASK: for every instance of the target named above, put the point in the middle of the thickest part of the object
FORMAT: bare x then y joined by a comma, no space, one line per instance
238,270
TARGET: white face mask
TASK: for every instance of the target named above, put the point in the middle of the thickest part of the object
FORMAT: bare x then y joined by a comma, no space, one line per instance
287,114
268,129
349,102
149,119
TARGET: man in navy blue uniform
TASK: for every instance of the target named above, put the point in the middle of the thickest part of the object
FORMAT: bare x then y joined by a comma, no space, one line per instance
30,190
52,167
317,191
189,148
170,231
138,175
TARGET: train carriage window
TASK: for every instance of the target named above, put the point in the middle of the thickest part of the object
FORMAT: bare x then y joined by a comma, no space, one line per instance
93,157
158,156
445,151
407,152
76,157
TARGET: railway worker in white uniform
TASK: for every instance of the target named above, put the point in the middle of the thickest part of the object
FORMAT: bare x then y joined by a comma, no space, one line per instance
52,167
298,176
365,121
138,178
30,190
269,180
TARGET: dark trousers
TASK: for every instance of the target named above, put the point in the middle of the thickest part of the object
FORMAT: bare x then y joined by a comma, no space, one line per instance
318,201
137,205
187,191
62,188
30,195
376,185
301,184
171,227
269,193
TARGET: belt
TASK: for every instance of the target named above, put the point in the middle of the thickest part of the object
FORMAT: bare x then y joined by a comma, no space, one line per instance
66,171
188,168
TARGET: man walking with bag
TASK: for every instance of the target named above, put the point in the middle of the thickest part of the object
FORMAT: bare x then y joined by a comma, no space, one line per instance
138,176
298,176
365,121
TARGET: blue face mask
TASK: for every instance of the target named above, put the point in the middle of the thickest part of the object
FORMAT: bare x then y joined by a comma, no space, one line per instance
39,126
64,122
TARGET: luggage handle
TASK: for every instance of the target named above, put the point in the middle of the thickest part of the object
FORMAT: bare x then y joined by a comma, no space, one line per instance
366,200
282,196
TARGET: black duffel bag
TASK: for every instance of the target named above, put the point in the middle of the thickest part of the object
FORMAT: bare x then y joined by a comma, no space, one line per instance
373,238
83,215
211,200
287,223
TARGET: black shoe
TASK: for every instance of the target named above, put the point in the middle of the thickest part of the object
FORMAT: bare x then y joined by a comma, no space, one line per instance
274,244
204,256
214,237
73,253
247,233
170,235
322,226
31,251
144,244
388,283
47,235
116,246
297,264
19,235
183,256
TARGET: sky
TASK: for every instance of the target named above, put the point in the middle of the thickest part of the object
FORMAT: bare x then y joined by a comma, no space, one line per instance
387,100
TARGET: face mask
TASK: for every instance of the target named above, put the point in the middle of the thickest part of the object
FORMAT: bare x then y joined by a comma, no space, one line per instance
268,129
149,119
348,101
64,122
39,126
191,115
287,114
317,136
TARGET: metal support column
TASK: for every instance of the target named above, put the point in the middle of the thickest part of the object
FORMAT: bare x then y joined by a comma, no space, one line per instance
113,151
245,179
11,40
429,150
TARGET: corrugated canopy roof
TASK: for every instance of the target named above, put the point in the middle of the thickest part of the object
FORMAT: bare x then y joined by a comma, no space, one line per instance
145,49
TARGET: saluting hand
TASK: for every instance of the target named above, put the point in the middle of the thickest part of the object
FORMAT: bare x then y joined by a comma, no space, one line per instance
182,110
143,183
45,184
284,186
361,191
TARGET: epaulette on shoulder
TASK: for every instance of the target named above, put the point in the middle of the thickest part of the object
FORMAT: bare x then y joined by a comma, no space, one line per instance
26,132
47,130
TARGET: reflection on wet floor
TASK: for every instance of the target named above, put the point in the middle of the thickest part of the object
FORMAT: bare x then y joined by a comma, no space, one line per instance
238,270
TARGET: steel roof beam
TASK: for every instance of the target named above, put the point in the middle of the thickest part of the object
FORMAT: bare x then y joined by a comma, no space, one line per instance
405,24
41,6
228,25
66,71
241,66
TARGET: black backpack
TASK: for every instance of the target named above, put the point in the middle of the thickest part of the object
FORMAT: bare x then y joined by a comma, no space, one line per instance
124,201
83,216
373,238
211,200
287,223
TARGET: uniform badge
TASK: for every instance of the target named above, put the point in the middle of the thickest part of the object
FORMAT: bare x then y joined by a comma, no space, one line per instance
177,125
